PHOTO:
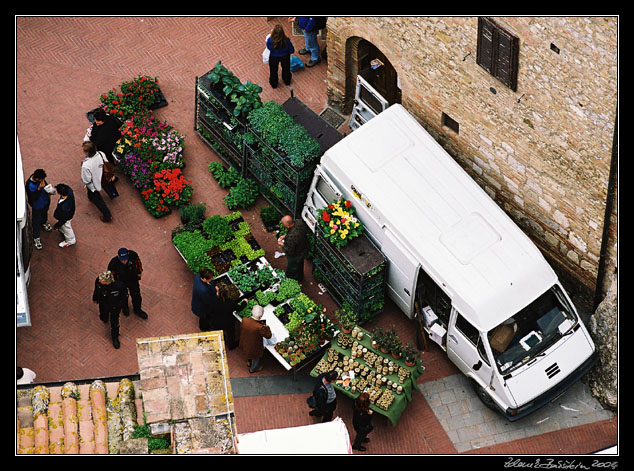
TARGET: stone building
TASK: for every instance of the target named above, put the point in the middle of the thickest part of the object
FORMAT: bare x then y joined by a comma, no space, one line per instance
527,105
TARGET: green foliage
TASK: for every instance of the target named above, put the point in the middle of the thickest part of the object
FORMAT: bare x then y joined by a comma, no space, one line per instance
194,247
279,130
225,177
192,215
217,230
346,316
245,97
143,431
270,216
243,278
242,195
289,288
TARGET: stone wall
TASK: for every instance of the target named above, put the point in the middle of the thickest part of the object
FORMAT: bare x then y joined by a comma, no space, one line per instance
542,152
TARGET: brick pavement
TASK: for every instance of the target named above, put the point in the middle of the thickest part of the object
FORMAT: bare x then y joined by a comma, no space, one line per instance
63,64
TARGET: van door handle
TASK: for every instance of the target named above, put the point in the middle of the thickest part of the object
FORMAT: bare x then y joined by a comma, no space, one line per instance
452,337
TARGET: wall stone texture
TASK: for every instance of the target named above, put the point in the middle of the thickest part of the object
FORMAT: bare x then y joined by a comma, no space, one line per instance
542,152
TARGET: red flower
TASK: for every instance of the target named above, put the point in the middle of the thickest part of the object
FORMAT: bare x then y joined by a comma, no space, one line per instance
348,204
325,216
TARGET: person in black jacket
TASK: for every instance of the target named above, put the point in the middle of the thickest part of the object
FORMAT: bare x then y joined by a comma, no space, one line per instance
204,298
296,246
111,295
126,267
222,312
105,133
324,398
64,213
362,421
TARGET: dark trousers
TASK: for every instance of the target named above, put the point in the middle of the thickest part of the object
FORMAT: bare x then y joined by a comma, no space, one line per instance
362,434
111,314
95,198
38,219
285,62
295,267
135,294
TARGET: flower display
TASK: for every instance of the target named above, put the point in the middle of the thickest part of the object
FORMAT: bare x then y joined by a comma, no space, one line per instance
168,147
338,223
135,97
150,150
169,188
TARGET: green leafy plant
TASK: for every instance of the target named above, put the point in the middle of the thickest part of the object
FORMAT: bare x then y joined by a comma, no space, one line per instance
217,230
347,317
225,177
409,352
270,216
243,278
289,288
278,129
194,247
246,98
192,214
143,431
242,195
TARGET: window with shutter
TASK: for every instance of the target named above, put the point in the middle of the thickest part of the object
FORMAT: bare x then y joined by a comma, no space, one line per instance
498,52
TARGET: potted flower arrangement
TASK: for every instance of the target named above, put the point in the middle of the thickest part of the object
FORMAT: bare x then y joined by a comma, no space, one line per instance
347,318
393,343
338,223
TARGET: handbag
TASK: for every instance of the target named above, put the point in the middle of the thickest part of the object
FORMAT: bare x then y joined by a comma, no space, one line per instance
108,177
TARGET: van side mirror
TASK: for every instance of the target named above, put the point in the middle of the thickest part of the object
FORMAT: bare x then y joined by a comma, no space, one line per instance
477,366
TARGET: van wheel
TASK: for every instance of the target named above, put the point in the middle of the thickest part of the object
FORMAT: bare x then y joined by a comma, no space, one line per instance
483,395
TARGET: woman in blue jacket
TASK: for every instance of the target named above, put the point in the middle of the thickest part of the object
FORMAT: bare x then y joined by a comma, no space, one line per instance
280,48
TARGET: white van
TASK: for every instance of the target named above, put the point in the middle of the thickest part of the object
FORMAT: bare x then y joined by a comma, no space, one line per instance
23,244
482,289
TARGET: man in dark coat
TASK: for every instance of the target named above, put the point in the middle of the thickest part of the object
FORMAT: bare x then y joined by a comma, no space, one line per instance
204,298
295,245
324,398
105,132
111,295
64,212
126,267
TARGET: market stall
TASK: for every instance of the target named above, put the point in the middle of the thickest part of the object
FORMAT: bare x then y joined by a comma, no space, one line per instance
362,366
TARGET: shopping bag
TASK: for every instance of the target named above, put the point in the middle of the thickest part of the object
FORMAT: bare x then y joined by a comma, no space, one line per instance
266,53
296,63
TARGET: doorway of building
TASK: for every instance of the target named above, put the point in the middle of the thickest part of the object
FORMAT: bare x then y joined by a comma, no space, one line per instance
377,70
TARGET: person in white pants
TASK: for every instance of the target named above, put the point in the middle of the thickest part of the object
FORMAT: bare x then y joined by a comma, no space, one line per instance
64,214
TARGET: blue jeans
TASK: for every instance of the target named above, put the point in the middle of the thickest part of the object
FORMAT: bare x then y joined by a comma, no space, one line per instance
310,40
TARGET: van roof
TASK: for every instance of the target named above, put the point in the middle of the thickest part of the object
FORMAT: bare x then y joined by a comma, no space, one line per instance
462,238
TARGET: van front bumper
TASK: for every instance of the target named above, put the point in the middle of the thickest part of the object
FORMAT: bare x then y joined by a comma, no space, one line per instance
553,393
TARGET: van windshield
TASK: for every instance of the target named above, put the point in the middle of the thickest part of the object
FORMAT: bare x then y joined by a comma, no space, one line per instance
532,330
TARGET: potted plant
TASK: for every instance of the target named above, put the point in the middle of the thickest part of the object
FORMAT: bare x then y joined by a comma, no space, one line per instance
192,214
410,354
347,318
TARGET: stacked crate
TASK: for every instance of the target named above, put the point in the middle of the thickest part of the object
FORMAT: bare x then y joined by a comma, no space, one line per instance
355,274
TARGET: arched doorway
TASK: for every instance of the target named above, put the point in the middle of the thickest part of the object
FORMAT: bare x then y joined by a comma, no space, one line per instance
366,61
378,71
